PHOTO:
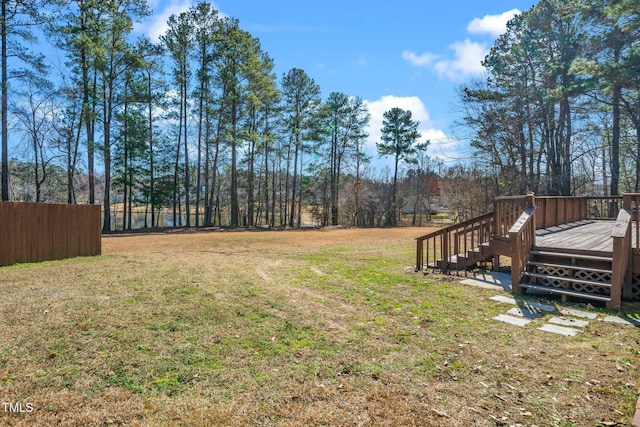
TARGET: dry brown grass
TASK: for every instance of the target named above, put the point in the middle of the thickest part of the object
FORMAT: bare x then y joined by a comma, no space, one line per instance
289,328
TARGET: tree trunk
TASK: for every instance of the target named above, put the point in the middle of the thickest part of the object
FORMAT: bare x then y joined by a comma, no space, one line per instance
152,192
5,134
235,208
187,179
293,184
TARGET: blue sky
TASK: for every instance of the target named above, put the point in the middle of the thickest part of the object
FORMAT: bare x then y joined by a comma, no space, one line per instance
403,53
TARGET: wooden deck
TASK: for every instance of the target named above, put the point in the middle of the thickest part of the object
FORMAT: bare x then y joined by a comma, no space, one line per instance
588,236
583,247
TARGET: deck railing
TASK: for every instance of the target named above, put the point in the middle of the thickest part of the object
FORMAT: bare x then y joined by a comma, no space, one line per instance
455,239
556,210
606,207
507,210
523,238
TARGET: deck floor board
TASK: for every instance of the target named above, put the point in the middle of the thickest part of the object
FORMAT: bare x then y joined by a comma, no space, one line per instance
584,235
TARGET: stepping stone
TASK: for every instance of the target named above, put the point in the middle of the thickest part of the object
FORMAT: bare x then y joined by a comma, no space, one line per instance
491,280
502,298
578,313
621,321
524,312
516,321
538,306
568,322
561,330
528,304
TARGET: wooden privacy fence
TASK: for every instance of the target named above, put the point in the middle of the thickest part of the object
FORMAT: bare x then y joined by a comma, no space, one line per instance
33,232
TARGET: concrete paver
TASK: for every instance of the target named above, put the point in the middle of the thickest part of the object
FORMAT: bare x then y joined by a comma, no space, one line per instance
524,312
538,306
578,313
563,321
512,320
504,299
621,321
561,330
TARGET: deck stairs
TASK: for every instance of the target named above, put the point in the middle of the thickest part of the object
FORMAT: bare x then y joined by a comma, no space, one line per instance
585,275
462,261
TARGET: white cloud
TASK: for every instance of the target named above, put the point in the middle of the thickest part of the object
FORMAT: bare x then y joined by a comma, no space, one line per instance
467,55
419,60
493,25
156,24
467,61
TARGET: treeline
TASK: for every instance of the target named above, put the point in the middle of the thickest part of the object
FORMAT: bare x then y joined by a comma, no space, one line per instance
559,110
197,124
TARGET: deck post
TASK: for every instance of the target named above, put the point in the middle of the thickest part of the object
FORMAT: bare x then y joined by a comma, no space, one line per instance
531,198
621,235
496,218
419,254
516,267
522,235
444,250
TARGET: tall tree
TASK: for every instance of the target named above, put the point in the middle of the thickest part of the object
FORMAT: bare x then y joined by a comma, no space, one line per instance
206,27
36,114
531,96
347,119
151,68
113,61
238,61
16,19
179,41
301,100
399,137
78,31
67,126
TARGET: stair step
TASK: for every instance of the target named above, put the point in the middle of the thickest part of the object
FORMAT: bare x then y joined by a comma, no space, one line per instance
567,279
570,267
571,255
568,292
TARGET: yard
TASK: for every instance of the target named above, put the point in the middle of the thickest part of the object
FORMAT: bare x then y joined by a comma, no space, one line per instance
289,328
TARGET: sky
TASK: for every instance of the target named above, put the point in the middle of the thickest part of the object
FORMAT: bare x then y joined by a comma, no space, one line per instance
412,54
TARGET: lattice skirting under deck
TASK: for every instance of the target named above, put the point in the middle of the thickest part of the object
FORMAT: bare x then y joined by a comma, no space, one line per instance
588,275
579,274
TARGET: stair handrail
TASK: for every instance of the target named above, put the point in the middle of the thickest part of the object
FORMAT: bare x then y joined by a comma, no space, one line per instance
523,237
631,202
621,235
507,210
450,238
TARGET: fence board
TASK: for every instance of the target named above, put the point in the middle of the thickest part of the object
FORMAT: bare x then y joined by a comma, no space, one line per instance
33,232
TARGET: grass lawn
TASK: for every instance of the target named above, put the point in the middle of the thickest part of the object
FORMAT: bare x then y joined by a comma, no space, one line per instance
289,328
